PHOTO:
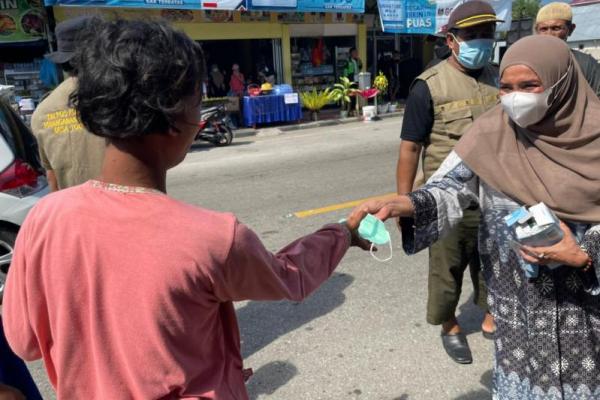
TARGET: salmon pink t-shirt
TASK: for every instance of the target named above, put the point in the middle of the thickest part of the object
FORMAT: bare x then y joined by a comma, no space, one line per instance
127,293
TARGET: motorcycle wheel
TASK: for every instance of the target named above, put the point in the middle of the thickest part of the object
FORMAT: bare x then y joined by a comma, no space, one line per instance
227,135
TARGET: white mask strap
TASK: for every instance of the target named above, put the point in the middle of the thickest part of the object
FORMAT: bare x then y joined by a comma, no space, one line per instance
382,259
551,89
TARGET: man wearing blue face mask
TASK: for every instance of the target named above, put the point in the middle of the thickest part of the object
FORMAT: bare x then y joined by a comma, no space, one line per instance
442,105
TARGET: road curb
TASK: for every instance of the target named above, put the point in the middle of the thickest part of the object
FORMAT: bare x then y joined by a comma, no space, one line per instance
274,131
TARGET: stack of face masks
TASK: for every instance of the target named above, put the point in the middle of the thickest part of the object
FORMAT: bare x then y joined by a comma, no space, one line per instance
537,226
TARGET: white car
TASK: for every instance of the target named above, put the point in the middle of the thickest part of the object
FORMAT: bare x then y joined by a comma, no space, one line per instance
22,182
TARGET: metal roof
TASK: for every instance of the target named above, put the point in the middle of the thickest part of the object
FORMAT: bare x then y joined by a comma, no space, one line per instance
587,19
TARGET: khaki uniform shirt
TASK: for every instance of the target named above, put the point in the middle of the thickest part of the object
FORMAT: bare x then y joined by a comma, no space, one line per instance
458,99
66,148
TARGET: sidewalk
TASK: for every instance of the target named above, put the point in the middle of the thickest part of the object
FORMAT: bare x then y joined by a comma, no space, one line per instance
326,118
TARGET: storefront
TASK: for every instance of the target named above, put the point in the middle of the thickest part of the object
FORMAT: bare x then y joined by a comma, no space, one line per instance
401,58
320,53
22,47
252,56
280,40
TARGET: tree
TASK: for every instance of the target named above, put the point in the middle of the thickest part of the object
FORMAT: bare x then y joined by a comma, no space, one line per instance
525,9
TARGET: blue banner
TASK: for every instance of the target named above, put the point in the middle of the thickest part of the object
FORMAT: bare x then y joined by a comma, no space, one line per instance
407,16
335,6
430,16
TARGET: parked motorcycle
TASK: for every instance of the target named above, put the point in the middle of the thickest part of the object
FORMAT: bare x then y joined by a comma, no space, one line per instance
216,126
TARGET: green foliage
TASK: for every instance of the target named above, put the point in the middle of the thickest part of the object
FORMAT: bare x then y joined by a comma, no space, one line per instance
341,92
525,9
315,100
381,82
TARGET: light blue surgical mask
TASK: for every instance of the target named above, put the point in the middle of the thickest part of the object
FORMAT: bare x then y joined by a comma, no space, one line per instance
474,54
373,229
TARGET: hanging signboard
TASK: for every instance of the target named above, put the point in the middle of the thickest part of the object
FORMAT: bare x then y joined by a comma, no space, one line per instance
429,17
333,6
21,21
158,4
337,6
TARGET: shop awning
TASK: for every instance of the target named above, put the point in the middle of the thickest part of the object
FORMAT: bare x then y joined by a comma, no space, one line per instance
292,6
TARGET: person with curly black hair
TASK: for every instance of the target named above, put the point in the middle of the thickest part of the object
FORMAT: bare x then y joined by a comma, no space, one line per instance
124,291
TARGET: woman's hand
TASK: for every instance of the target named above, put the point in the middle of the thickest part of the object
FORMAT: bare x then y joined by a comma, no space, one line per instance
393,207
397,206
565,252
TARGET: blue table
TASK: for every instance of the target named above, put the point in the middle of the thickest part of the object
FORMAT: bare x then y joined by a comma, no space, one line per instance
267,109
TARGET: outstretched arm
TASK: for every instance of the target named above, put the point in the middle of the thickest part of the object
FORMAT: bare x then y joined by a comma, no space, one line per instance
254,273
430,212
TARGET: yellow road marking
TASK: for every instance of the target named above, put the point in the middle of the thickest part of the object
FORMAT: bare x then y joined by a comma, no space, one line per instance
341,206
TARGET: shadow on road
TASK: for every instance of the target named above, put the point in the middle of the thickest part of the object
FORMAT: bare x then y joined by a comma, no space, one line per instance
470,317
263,322
475,395
270,377
482,394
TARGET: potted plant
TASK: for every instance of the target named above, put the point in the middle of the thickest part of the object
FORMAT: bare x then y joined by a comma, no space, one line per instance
341,93
315,101
381,84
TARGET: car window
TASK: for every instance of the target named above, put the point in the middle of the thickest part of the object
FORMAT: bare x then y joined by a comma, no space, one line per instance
18,136
5,129
6,154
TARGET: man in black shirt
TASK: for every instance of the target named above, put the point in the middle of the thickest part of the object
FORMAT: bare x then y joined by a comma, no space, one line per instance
443,102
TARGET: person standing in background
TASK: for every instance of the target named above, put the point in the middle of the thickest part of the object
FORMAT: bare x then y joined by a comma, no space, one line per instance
441,52
217,82
69,153
354,66
556,19
237,83
442,105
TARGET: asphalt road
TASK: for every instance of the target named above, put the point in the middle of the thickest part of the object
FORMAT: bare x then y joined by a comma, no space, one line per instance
363,334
